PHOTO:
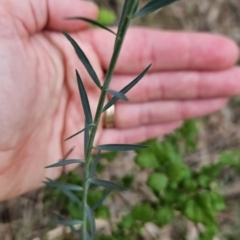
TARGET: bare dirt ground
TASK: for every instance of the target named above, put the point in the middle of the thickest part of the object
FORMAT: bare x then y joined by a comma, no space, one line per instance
27,216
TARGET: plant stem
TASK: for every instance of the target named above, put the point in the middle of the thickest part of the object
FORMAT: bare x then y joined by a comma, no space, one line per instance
129,12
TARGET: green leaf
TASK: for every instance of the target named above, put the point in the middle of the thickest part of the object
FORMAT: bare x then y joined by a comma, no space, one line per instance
218,203
86,139
72,196
84,60
143,212
164,215
126,88
91,21
68,153
65,162
146,160
119,147
106,184
157,181
63,186
230,158
106,17
67,192
91,221
100,201
68,222
177,171
87,127
84,99
199,209
118,95
94,164
153,6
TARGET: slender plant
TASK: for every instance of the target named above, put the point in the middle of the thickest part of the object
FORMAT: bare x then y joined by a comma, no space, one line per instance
88,230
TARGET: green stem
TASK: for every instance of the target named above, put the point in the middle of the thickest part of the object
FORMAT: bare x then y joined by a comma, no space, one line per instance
129,10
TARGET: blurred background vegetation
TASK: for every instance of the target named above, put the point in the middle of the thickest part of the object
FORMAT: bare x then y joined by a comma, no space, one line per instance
185,186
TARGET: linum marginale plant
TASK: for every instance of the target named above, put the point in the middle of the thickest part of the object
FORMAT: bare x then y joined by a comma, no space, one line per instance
87,230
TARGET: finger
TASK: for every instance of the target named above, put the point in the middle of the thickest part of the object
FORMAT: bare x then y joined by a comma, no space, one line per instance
58,10
35,15
166,50
136,135
135,115
181,85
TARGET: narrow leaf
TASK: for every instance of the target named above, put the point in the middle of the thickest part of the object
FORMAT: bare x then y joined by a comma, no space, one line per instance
153,6
91,21
84,98
91,221
119,147
86,139
68,223
126,88
64,186
100,201
118,95
94,164
65,162
68,153
106,184
71,195
87,127
84,60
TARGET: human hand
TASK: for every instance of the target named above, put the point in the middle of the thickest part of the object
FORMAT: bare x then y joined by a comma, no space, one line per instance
192,75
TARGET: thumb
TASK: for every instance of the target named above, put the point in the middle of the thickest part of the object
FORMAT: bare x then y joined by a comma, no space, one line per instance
59,10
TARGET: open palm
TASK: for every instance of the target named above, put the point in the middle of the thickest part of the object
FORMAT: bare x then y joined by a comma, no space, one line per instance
192,75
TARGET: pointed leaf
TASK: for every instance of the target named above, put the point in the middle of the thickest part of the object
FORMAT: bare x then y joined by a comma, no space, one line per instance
71,195
118,95
153,6
68,223
91,221
64,186
84,60
100,201
91,21
65,162
68,153
119,147
87,127
84,98
94,164
106,184
126,88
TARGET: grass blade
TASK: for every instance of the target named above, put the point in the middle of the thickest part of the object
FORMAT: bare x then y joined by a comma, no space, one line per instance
84,98
84,60
106,184
91,21
119,147
94,164
87,127
65,162
126,88
118,95
91,221
100,201
153,6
